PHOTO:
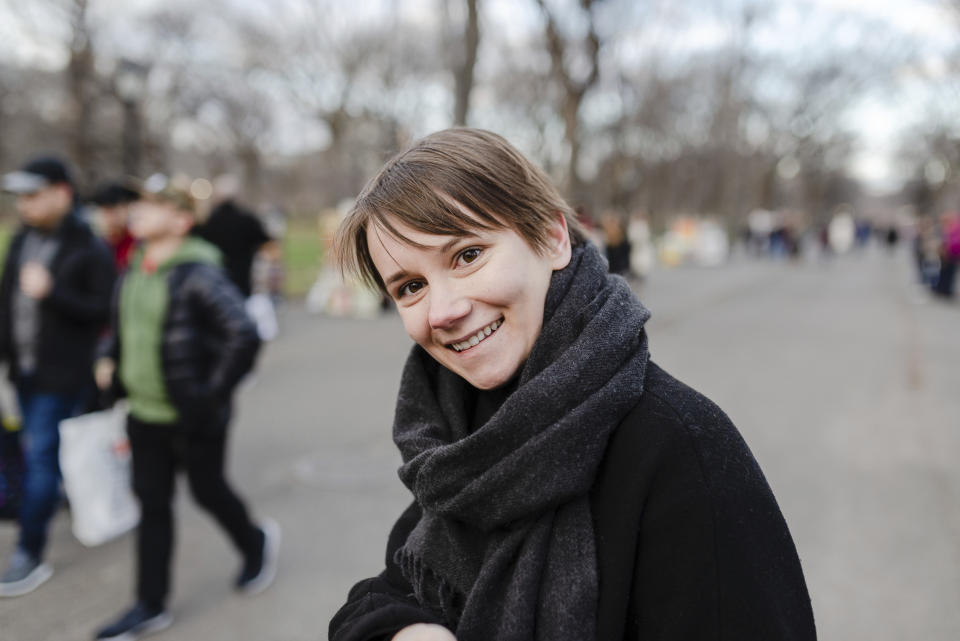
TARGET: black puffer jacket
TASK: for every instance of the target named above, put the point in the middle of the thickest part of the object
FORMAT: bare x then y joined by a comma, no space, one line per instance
209,343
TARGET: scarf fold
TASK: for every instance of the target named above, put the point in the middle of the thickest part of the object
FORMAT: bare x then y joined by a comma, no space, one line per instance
505,548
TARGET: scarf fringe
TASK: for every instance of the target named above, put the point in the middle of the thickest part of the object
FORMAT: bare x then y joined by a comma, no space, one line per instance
429,587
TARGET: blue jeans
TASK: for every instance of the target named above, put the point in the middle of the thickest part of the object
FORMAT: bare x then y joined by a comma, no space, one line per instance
42,413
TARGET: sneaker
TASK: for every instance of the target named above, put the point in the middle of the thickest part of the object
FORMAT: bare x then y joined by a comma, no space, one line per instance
137,622
258,574
24,574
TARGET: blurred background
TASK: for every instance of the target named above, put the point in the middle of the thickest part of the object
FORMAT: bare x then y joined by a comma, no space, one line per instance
779,179
697,110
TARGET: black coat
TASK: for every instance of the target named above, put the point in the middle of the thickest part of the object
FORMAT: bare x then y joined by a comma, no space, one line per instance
72,317
209,342
691,544
239,235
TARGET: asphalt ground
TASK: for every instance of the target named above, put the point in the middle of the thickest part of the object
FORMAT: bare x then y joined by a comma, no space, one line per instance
843,376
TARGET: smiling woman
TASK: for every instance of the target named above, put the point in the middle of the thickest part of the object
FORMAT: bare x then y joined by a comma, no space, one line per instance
564,486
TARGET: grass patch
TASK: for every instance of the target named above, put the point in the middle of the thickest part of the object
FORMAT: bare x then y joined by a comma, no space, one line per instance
303,255
6,230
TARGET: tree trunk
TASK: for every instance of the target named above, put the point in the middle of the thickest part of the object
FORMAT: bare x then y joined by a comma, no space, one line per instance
573,90
571,122
252,169
80,72
463,74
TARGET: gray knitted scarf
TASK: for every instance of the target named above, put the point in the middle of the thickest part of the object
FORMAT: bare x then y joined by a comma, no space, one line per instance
505,548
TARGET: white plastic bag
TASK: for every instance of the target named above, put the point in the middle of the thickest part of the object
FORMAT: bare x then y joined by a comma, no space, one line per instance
260,309
96,465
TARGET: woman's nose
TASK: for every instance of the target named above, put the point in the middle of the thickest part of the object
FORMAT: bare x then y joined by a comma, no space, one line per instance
447,306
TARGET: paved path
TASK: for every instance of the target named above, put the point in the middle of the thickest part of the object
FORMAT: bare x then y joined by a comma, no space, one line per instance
843,378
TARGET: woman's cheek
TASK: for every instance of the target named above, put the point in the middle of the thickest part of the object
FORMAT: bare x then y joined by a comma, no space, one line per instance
414,324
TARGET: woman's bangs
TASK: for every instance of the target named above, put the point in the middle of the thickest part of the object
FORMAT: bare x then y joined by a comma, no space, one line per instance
432,213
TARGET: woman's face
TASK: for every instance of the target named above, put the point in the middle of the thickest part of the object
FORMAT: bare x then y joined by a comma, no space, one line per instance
473,302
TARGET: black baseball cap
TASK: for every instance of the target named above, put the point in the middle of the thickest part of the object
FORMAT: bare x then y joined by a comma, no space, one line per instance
115,193
37,174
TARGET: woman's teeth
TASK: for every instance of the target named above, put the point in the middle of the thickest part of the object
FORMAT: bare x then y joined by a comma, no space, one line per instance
475,340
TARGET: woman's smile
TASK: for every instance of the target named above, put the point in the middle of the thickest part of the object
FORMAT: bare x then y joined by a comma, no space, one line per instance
473,339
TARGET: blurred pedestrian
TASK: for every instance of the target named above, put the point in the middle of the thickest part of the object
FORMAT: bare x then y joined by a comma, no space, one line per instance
112,202
617,243
54,302
236,231
642,252
926,253
565,487
181,343
891,238
949,254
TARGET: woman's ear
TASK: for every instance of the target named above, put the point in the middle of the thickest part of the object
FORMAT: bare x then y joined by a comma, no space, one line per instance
558,237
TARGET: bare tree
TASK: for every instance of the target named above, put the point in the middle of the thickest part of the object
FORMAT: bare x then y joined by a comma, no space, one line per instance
465,63
65,24
81,82
574,85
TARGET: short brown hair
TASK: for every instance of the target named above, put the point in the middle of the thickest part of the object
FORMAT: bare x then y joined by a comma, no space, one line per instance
429,185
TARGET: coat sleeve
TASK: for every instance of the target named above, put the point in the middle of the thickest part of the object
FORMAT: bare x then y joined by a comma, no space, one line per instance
6,294
85,297
108,346
221,305
379,607
714,558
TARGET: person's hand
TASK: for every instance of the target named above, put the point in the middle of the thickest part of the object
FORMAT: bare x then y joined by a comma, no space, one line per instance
103,372
424,632
35,280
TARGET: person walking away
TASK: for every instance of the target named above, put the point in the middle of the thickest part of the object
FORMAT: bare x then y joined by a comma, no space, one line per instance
642,252
949,254
236,232
112,201
54,301
175,298
617,244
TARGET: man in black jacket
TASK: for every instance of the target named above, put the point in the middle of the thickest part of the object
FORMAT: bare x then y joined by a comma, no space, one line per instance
54,302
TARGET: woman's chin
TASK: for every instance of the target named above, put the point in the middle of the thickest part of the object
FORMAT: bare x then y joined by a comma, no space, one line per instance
488,380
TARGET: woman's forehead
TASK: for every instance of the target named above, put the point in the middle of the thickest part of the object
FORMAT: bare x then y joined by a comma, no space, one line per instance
427,235
400,235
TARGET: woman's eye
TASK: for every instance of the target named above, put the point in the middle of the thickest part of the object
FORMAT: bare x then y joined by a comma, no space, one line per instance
467,256
410,288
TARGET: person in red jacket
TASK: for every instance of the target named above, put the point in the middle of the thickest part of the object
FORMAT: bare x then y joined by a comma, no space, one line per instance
564,486
112,202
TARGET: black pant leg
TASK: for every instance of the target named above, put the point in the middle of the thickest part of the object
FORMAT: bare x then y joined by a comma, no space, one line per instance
204,462
154,470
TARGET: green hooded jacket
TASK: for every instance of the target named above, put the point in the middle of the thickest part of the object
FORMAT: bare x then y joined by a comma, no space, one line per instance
144,297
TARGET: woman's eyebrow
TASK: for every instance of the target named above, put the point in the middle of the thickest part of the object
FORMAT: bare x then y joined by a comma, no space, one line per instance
450,244
396,277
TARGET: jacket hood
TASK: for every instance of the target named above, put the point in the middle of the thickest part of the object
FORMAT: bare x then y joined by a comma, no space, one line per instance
192,250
